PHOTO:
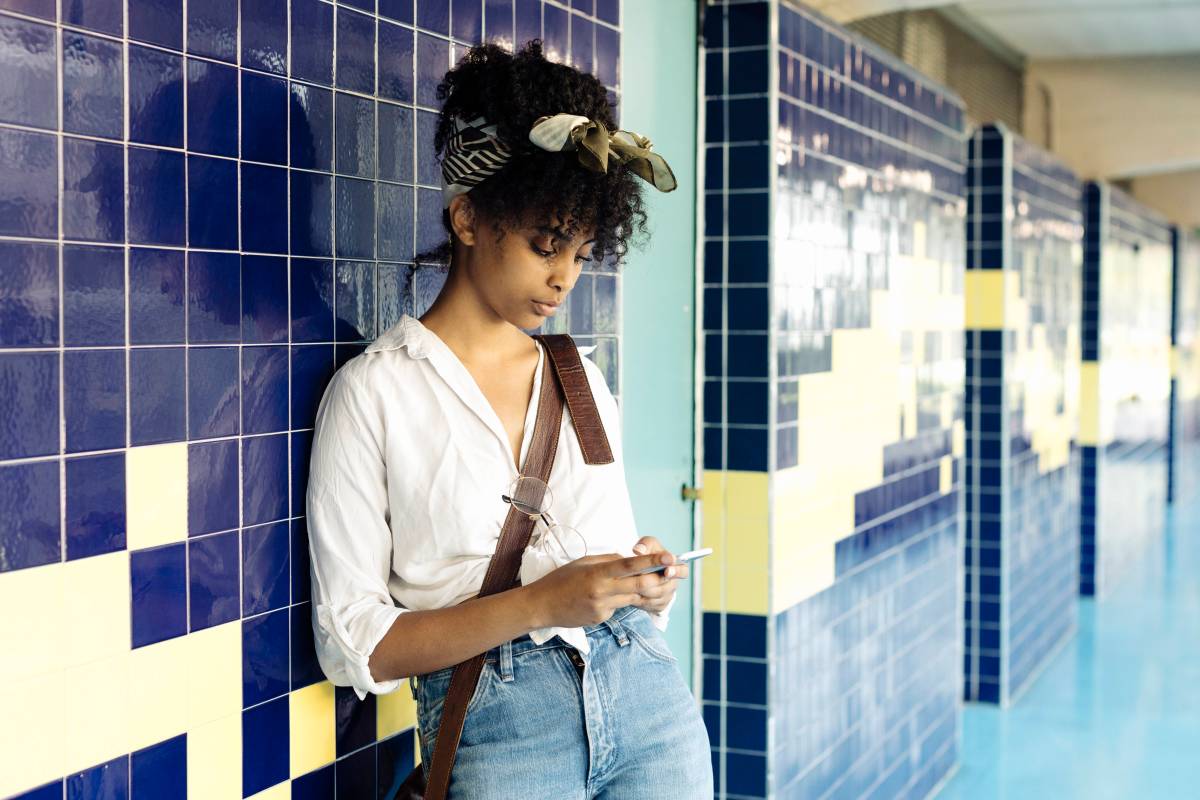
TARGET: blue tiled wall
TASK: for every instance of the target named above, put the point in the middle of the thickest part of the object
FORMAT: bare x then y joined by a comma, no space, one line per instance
1184,455
833,323
1024,261
202,215
1125,384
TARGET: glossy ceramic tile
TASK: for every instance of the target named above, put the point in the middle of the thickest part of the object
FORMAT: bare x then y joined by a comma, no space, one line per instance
1115,711
833,323
1023,298
1184,481
1126,383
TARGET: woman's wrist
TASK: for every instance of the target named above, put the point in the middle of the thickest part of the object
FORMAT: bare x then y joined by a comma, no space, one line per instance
532,609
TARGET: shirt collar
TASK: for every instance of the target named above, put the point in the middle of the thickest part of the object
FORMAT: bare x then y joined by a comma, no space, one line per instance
408,332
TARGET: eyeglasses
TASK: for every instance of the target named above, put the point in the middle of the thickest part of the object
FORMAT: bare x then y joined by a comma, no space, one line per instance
533,497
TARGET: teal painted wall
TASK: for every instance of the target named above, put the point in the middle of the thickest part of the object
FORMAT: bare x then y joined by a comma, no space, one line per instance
658,77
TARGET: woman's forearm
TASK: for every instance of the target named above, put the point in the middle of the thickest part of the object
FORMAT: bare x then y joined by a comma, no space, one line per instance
425,641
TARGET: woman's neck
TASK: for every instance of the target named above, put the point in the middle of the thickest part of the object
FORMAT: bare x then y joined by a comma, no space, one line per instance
471,328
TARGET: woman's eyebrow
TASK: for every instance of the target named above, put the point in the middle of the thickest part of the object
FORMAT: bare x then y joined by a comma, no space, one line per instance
558,233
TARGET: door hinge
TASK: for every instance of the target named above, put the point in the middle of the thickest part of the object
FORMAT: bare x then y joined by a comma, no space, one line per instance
691,492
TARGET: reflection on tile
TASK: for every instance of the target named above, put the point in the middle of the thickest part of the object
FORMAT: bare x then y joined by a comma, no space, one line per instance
212,95
156,302
93,86
156,198
94,399
93,198
157,408
159,592
311,127
213,569
264,36
93,296
212,487
265,568
95,518
395,62
355,51
212,29
155,97
264,119
312,41
212,203
213,386
264,209
28,184
157,22
29,305
29,505
105,16
28,91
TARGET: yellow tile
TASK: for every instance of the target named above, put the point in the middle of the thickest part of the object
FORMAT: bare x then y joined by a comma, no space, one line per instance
1175,360
214,754
958,438
38,627
747,591
945,474
214,673
396,711
158,692
313,726
746,493
809,572
97,593
1089,403
984,297
32,731
712,583
156,495
97,712
280,791
747,542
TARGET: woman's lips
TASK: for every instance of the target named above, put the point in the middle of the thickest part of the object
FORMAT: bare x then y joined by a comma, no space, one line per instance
544,309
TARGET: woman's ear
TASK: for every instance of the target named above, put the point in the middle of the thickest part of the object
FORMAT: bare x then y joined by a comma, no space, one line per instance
462,219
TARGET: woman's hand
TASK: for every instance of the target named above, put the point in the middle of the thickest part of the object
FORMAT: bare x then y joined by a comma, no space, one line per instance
658,596
588,590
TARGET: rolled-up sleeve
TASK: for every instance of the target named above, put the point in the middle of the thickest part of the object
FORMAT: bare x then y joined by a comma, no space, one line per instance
349,537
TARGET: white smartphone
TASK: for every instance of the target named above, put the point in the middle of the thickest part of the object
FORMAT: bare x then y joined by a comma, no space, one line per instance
682,558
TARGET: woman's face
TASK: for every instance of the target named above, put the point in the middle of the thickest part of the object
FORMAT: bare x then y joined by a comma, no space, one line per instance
529,272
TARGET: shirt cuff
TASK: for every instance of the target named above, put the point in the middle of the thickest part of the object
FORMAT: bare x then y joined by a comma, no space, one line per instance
354,658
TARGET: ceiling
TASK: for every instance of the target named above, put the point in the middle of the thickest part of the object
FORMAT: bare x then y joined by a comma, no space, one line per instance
1055,29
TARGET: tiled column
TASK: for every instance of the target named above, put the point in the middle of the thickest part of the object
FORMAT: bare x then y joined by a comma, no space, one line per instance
1184,456
1024,261
1125,383
833,324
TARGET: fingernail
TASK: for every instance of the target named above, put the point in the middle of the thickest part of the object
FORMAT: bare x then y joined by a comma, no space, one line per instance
639,548
670,572
666,558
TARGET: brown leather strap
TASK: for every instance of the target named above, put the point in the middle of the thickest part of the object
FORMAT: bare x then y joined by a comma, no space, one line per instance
568,379
568,367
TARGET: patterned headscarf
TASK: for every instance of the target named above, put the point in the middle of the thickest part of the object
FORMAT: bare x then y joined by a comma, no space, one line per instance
475,153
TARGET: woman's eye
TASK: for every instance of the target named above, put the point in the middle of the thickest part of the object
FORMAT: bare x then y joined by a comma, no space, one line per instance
584,259
541,252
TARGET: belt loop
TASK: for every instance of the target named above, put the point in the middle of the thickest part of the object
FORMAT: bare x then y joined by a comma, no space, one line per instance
618,630
412,685
506,662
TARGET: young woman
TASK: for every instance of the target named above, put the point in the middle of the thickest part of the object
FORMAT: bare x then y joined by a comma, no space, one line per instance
418,439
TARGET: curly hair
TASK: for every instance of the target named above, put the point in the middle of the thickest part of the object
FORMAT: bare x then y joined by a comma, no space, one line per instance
512,90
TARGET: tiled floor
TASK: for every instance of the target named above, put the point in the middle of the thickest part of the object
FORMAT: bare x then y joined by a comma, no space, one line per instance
1116,713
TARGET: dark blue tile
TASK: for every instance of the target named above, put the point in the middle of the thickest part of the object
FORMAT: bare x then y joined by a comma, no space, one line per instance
156,199
555,30
311,127
608,55
399,10
355,218
396,142
212,119
155,97
159,770
466,20
265,657
746,449
265,570
29,507
355,51
312,41
93,199
746,774
44,9
354,121
312,368
212,487
355,301
93,86
213,563
528,14
583,44
107,781
155,296
264,299
306,670
159,591
354,775
264,118
28,184
609,11
157,22
213,383
355,720
93,296
29,393
430,233
265,748
264,209
301,587
264,389
434,15
312,300
395,62
311,214
265,485
745,728
212,203
215,309
429,172
94,399
95,519
157,408
29,304
394,227
29,89
498,21
212,29
433,59
301,452
105,16
264,35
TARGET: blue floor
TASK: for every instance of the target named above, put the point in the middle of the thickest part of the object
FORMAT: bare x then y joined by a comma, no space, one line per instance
1116,712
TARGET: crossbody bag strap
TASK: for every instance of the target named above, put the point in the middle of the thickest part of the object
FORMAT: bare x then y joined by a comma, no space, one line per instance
563,381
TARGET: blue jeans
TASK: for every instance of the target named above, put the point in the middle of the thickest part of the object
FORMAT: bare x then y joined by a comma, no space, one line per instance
627,728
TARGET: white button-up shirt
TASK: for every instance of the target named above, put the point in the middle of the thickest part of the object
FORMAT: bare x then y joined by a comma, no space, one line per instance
409,462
